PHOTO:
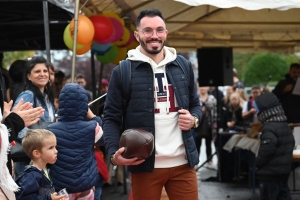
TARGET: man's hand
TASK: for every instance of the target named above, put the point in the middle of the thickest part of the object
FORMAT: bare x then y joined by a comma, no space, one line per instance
230,124
253,111
118,159
288,88
185,120
27,113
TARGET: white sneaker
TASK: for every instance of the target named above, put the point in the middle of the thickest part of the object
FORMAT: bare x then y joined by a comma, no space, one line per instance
210,165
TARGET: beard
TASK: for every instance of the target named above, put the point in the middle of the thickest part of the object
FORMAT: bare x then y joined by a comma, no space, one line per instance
153,51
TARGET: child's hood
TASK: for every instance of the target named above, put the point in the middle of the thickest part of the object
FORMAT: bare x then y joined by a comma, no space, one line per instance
73,103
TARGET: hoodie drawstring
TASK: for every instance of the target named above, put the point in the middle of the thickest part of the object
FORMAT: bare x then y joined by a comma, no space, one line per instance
167,90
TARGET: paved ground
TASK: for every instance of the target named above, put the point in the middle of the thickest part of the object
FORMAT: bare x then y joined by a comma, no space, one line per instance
208,190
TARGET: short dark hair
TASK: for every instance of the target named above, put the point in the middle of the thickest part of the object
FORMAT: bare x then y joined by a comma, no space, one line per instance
17,71
295,65
152,12
255,87
80,76
59,74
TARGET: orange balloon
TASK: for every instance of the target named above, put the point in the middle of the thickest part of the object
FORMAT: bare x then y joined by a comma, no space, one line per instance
85,32
125,38
84,49
114,15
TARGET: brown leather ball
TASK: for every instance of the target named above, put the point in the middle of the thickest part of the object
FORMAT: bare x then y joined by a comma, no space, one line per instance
137,142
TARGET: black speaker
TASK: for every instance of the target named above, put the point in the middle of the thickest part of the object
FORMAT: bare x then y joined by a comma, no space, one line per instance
215,66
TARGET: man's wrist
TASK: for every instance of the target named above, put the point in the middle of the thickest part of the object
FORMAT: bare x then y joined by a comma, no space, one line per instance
112,160
195,122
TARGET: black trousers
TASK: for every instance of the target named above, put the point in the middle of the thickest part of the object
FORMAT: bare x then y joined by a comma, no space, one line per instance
274,190
208,141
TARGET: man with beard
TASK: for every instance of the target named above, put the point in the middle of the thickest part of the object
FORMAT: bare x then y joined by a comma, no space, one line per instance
284,92
162,101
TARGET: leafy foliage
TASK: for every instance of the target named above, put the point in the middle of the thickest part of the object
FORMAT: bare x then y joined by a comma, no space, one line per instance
261,66
291,58
240,61
10,57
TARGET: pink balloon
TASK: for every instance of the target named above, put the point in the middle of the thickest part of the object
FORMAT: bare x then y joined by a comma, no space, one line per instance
117,34
119,29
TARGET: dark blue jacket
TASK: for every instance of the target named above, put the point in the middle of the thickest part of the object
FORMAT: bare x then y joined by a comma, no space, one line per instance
140,110
34,185
76,167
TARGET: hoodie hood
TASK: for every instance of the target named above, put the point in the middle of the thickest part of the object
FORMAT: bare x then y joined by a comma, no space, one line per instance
170,55
73,103
137,55
269,108
266,101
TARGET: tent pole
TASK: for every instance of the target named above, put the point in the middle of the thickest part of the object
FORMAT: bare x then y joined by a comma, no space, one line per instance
46,28
75,40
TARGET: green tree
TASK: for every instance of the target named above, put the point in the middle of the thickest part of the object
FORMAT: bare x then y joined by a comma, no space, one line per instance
291,58
240,61
261,66
10,57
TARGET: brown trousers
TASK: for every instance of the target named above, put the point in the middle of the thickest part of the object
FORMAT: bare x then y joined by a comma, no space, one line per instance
180,183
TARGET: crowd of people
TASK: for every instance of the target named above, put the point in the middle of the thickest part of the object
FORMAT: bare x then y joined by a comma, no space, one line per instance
163,100
40,89
272,111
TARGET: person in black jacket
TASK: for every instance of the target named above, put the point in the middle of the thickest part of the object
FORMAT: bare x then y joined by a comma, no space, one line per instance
275,155
162,101
284,92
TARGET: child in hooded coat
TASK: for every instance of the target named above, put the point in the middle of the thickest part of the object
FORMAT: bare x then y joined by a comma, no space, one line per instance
76,130
275,155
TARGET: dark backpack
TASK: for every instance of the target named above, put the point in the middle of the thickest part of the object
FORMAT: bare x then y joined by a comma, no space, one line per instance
125,70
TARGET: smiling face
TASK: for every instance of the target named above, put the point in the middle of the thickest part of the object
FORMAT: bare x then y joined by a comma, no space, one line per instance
151,43
48,153
39,76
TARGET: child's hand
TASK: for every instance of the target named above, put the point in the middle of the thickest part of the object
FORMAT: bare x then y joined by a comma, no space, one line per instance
55,196
90,114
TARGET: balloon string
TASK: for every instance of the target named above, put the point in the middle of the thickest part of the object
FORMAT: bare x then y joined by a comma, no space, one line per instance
97,99
83,5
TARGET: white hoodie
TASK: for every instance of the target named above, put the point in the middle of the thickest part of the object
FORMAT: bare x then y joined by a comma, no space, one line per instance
169,146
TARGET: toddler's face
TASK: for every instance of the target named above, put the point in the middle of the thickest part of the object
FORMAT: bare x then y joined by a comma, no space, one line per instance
49,152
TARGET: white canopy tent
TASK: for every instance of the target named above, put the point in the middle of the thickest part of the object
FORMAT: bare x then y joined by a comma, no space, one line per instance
246,4
275,27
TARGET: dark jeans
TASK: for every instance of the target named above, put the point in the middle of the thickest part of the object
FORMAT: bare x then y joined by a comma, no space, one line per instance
274,190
